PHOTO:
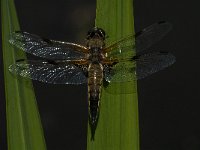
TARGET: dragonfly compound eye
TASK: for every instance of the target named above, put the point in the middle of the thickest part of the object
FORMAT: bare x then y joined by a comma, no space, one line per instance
96,31
90,34
101,33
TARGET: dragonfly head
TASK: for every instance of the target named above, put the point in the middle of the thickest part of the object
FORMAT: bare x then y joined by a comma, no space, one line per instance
96,33
95,37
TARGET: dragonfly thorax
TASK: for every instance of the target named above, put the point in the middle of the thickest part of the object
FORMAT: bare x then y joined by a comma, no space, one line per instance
95,42
95,55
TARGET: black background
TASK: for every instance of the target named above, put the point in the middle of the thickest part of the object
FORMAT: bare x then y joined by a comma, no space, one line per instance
168,100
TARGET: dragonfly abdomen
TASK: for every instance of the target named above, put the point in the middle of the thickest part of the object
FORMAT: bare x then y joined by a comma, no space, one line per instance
95,77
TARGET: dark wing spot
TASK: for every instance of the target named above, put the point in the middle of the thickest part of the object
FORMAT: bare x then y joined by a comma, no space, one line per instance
135,57
19,60
47,41
52,62
161,22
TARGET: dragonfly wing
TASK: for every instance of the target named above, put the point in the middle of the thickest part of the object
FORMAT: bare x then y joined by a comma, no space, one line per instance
46,48
148,64
49,73
140,67
121,75
121,72
150,35
121,50
129,46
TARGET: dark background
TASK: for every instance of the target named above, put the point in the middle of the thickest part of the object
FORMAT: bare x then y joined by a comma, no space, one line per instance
168,100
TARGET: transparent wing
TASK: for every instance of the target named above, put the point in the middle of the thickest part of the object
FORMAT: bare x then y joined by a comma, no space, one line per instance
48,49
121,72
148,64
152,34
140,67
121,75
124,49
49,73
125,73
129,46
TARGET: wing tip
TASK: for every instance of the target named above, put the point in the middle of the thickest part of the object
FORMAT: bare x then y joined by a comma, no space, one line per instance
162,22
170,56
165,23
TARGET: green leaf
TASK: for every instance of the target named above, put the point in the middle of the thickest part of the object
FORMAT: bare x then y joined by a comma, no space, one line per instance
118,125
24,130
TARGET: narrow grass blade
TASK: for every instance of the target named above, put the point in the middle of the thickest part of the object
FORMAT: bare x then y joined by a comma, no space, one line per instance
118,126
24,130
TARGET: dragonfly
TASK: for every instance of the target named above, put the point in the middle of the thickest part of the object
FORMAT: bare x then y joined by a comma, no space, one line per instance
69,63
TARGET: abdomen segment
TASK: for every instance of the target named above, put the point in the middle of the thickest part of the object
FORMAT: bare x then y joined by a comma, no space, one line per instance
95,77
